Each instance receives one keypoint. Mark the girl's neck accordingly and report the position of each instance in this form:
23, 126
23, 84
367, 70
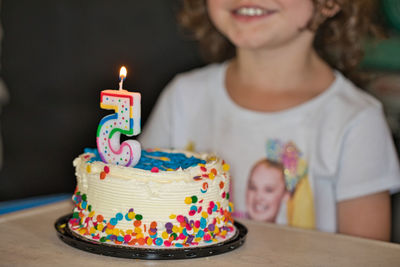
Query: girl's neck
276, 79
282, 70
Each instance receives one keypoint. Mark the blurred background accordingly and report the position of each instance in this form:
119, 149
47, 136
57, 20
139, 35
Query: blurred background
56, 57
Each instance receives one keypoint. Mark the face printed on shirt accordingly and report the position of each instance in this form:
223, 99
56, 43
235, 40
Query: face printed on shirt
266, 191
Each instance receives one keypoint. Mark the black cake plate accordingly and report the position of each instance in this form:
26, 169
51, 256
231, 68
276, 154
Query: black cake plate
67, 236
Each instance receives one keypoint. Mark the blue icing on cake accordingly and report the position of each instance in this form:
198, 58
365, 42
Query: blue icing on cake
160, 159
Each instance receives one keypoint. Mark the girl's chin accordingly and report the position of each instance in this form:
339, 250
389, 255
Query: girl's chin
254, 39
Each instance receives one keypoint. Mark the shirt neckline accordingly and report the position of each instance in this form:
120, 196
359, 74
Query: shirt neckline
298, 109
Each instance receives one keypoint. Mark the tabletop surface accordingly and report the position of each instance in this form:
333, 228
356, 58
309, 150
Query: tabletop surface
28, 237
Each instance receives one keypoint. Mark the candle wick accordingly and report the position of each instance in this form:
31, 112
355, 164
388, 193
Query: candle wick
121, 83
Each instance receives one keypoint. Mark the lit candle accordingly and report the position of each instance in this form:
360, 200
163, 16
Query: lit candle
122, 76
125, 120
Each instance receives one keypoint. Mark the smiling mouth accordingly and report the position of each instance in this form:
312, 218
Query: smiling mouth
251, 11
260, 208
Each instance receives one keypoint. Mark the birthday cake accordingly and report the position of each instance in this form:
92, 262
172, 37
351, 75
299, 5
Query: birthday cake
170, 199
147, 198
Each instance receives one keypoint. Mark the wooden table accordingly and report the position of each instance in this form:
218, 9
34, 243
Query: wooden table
28, 238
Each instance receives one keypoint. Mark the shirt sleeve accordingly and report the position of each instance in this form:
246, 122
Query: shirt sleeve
157, 132
369, 163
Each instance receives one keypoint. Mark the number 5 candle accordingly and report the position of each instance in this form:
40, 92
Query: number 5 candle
125, 120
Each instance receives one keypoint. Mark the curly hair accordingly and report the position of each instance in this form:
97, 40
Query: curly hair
338, 40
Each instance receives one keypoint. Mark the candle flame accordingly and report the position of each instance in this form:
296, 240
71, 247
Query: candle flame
122, 73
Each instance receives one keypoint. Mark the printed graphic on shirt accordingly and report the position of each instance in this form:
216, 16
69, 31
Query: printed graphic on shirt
278, 187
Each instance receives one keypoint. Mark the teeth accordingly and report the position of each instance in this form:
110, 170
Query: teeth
251, 11
261, 208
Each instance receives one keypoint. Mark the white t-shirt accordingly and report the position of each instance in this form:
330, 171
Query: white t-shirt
338, 142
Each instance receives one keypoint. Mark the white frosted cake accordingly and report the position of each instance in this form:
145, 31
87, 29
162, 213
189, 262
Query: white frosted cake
171, 199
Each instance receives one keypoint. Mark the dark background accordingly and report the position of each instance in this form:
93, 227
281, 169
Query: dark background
56, 58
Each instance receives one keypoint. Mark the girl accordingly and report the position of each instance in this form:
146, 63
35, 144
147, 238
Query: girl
281, 79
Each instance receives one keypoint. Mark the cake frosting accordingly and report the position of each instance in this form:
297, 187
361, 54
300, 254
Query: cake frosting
169, 199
